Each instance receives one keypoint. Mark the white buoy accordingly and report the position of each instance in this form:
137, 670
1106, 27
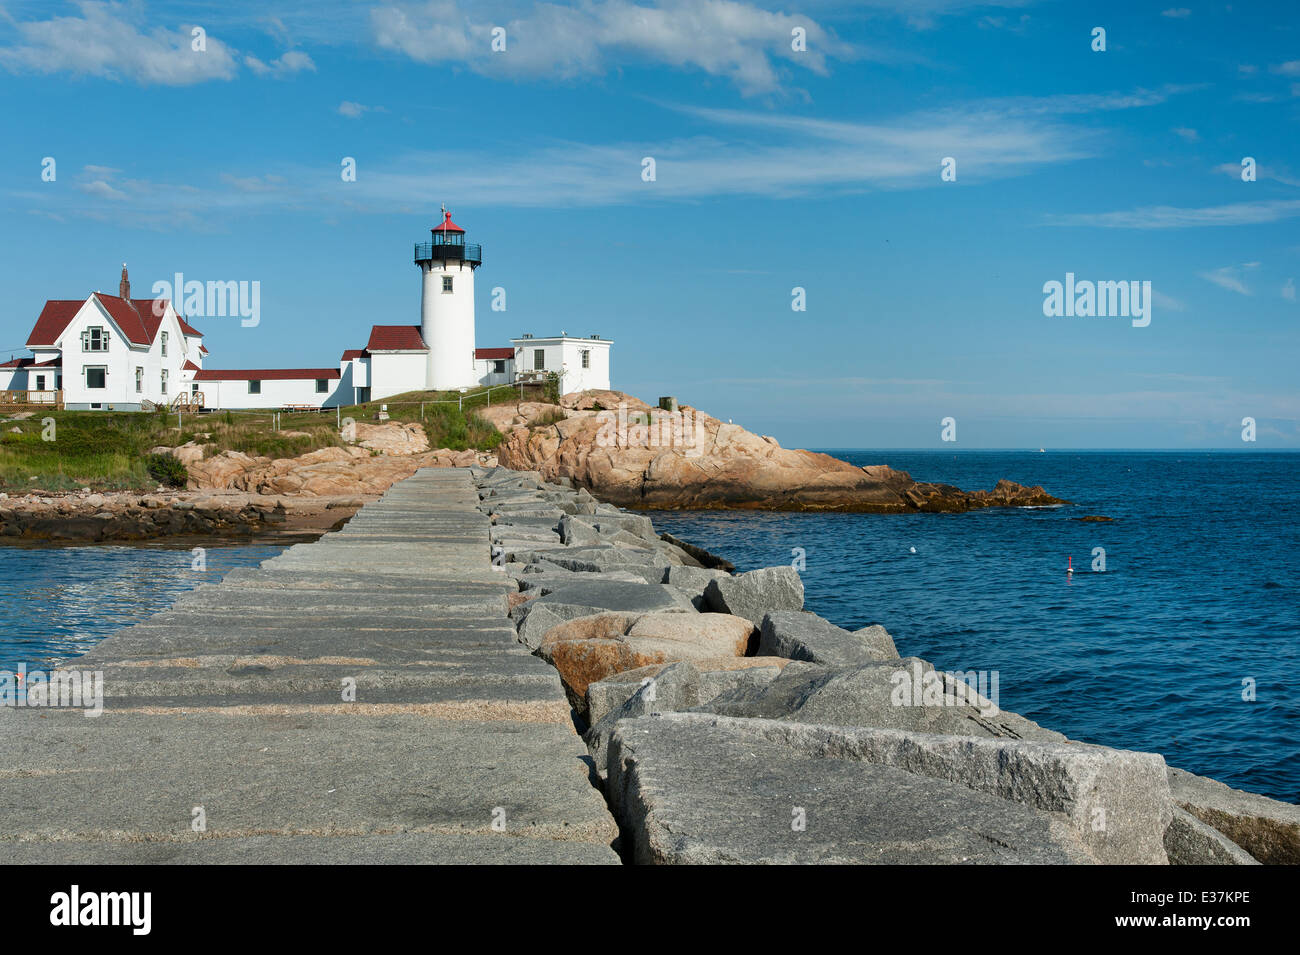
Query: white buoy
913, 550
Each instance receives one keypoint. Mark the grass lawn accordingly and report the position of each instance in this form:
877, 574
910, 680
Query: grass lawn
106, 450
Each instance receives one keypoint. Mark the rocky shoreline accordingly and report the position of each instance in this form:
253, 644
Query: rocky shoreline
710, 465
727, 724
86, 517
639, 457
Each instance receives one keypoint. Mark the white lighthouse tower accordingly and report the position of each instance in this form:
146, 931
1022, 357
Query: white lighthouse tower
447, 267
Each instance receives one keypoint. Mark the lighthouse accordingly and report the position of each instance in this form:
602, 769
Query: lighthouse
447, 267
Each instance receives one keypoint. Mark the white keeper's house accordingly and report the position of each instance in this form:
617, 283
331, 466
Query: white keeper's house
116, 353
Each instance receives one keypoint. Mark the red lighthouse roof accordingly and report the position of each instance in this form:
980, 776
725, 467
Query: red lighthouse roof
447, 225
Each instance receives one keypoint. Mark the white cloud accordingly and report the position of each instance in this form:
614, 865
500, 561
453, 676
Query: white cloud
356, 110
1176, 13
1230, 277
1175, 217
736, 40
1190, 135
102, 42
100, 188
1288, 290
1290, 68
288, 63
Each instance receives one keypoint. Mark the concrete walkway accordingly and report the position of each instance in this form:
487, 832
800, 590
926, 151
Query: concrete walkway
232, 708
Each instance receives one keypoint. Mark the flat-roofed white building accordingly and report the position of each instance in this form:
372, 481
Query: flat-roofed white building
582, 363
271, 388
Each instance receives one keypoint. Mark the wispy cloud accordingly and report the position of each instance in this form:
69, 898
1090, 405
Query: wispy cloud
105, 41
1176, 217
356, 110
1231, 277
727, 38
288, 63
737, 152
1188, 134
1176, 13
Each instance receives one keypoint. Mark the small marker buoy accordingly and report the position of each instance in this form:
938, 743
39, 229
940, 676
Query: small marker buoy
913, 550
1070, 568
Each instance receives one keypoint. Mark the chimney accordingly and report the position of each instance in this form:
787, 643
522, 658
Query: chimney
124, 287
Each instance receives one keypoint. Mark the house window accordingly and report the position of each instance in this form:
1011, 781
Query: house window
139, 379
194, 388
446, 283
586, 358
499, 366
40, 382
539, 359
94, 338
164, 344
96, 376
322, 385
164, 381
254, 386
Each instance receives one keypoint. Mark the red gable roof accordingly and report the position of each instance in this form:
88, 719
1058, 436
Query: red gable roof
190, 366
52, 321
203, 349
447, 225
395, 338
30, 363
265, 374
494, 353
137, 318
352, 353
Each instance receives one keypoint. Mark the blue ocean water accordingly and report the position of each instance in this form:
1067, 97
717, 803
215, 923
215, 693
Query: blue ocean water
1198, 594
58, 602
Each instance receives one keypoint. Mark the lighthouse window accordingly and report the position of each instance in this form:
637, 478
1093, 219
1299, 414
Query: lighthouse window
96, 376
539, 360
164, 381
586, 358
499, 366
254, 386
139, 379
322, 385
446, 283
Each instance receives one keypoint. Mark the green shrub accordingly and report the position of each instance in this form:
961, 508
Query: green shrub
167, 469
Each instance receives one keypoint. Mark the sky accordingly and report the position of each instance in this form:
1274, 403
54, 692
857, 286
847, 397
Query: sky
220, 154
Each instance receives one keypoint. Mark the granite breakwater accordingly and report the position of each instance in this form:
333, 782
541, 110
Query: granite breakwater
485, 667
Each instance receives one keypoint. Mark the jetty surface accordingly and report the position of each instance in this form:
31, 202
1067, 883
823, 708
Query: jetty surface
358, 699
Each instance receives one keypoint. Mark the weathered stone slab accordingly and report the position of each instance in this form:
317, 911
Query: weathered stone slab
868, 695
1188, 841
756, 592
1267, 829
692, 789
608, 595
806, 636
